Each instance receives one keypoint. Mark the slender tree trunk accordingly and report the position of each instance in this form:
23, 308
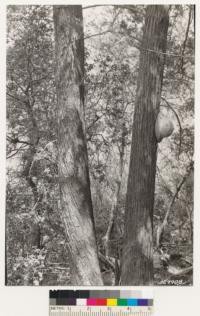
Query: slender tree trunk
112, 215
75, 195
137, 258
162, 226
114, 209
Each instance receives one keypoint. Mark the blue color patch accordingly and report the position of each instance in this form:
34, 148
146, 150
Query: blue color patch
142, 302
132, 302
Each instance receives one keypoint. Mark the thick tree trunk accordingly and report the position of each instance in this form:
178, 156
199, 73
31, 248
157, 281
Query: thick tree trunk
75, 195
137, 259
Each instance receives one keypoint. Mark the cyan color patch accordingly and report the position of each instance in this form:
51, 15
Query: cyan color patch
132, 302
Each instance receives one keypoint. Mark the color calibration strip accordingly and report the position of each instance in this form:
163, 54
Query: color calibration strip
100, 303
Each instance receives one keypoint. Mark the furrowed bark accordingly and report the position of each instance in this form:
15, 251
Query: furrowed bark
75, 195
137, 261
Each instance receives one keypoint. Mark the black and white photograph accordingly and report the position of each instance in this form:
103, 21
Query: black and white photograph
99, 145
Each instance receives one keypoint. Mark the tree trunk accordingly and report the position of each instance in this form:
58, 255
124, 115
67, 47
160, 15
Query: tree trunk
162, 226
137, 258
114, 209
75, 195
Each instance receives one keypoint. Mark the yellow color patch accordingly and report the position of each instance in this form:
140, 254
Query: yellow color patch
111, 302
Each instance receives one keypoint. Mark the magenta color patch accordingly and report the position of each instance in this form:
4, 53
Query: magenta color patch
91, 302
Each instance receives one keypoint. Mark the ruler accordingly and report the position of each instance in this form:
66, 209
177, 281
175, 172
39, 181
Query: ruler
100, 311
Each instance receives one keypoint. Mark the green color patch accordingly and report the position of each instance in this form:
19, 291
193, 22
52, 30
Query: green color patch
121, 302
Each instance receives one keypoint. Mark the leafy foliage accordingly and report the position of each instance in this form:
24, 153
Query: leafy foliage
36, 245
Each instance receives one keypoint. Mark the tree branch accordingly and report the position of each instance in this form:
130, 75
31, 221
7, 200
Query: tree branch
97, 34
97, 5
16, 151
178, 272
186, 38
15, 98
106, 261
16, 140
